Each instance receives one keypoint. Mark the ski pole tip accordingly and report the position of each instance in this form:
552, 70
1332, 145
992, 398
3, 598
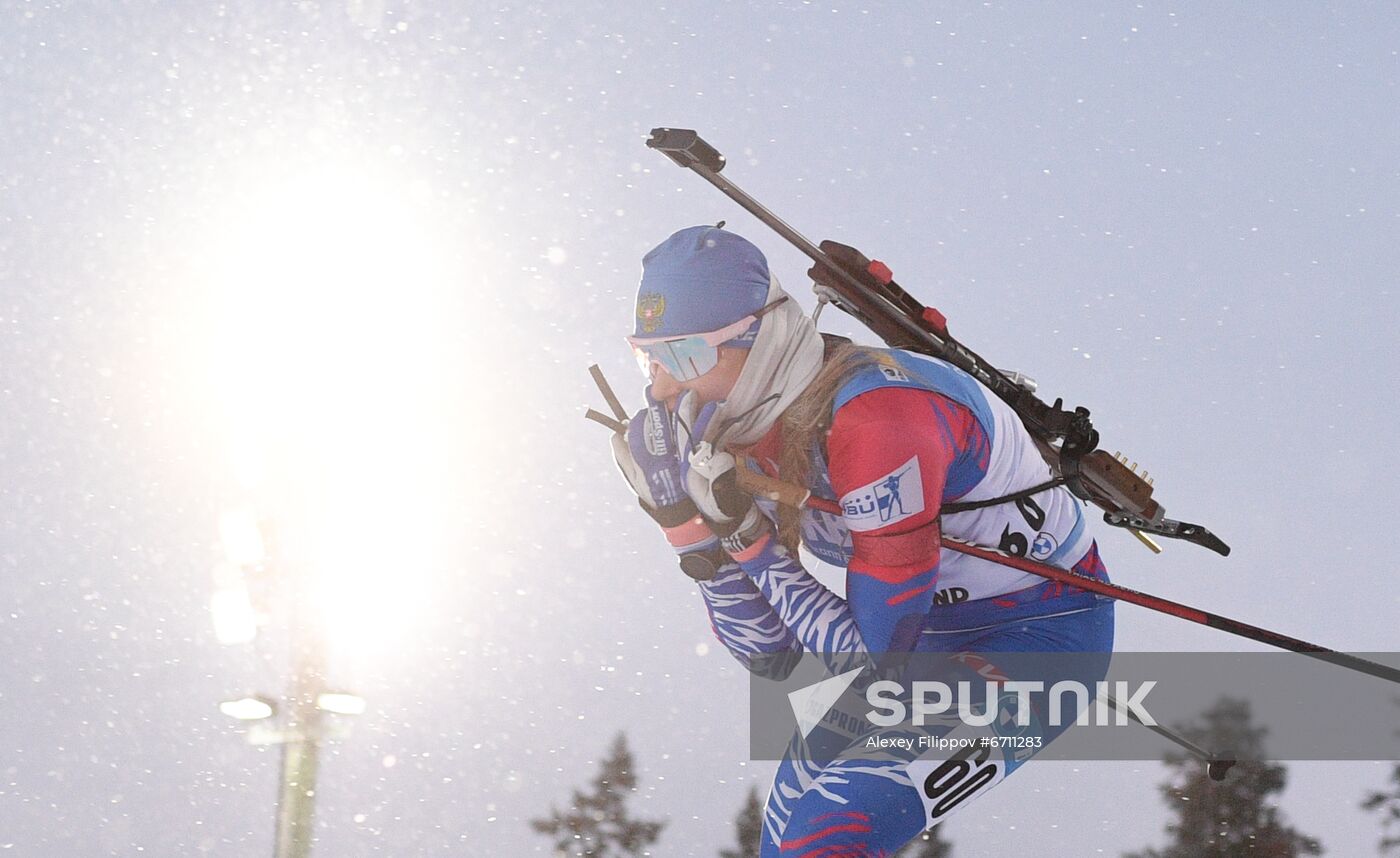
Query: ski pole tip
1217, 768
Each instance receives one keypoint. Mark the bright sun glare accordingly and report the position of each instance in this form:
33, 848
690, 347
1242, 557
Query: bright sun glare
324, 356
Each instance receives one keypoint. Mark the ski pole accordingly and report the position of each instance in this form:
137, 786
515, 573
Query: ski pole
796, 496
1216, 764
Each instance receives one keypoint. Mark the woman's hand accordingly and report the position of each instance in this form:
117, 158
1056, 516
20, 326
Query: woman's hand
711, 480
649, 458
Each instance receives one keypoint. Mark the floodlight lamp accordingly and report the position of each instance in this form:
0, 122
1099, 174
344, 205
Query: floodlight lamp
340, 703
254, 707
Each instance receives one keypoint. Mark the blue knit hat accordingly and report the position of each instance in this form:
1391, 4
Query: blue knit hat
698, 280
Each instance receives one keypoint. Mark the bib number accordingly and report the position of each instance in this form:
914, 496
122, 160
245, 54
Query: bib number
945, 785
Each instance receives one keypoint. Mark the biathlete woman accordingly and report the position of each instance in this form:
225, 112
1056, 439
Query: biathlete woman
907, 445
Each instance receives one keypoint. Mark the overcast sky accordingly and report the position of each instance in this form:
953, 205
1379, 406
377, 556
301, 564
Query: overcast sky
345, 265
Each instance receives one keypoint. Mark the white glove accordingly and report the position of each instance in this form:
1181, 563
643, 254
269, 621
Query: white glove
712, 482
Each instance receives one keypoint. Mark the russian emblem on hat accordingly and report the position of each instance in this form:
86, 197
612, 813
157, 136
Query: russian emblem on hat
650, 308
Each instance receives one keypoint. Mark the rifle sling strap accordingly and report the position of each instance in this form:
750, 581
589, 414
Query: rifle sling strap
950, 508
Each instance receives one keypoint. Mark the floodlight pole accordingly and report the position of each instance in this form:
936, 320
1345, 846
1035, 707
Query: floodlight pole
301, 750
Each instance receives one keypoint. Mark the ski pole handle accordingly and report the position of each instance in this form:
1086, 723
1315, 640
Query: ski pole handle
607, 391
617, 426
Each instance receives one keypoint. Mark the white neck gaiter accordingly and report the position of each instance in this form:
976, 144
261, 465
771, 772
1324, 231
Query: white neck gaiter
786, 356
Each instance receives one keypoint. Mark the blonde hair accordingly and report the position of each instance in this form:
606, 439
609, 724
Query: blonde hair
806, 422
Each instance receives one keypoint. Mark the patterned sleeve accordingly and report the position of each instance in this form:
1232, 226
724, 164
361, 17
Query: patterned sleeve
820, 619
743, 621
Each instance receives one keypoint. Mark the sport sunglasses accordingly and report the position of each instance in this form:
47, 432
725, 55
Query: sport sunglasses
689, 357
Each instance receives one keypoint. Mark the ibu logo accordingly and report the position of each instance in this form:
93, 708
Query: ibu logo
889, 499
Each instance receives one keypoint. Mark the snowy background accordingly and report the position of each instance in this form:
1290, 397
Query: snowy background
345, 264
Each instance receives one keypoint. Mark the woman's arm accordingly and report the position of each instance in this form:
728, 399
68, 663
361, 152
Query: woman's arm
819, 618
892, 451
742, 619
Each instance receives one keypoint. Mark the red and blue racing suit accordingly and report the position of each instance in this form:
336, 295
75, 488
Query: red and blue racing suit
907, 436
